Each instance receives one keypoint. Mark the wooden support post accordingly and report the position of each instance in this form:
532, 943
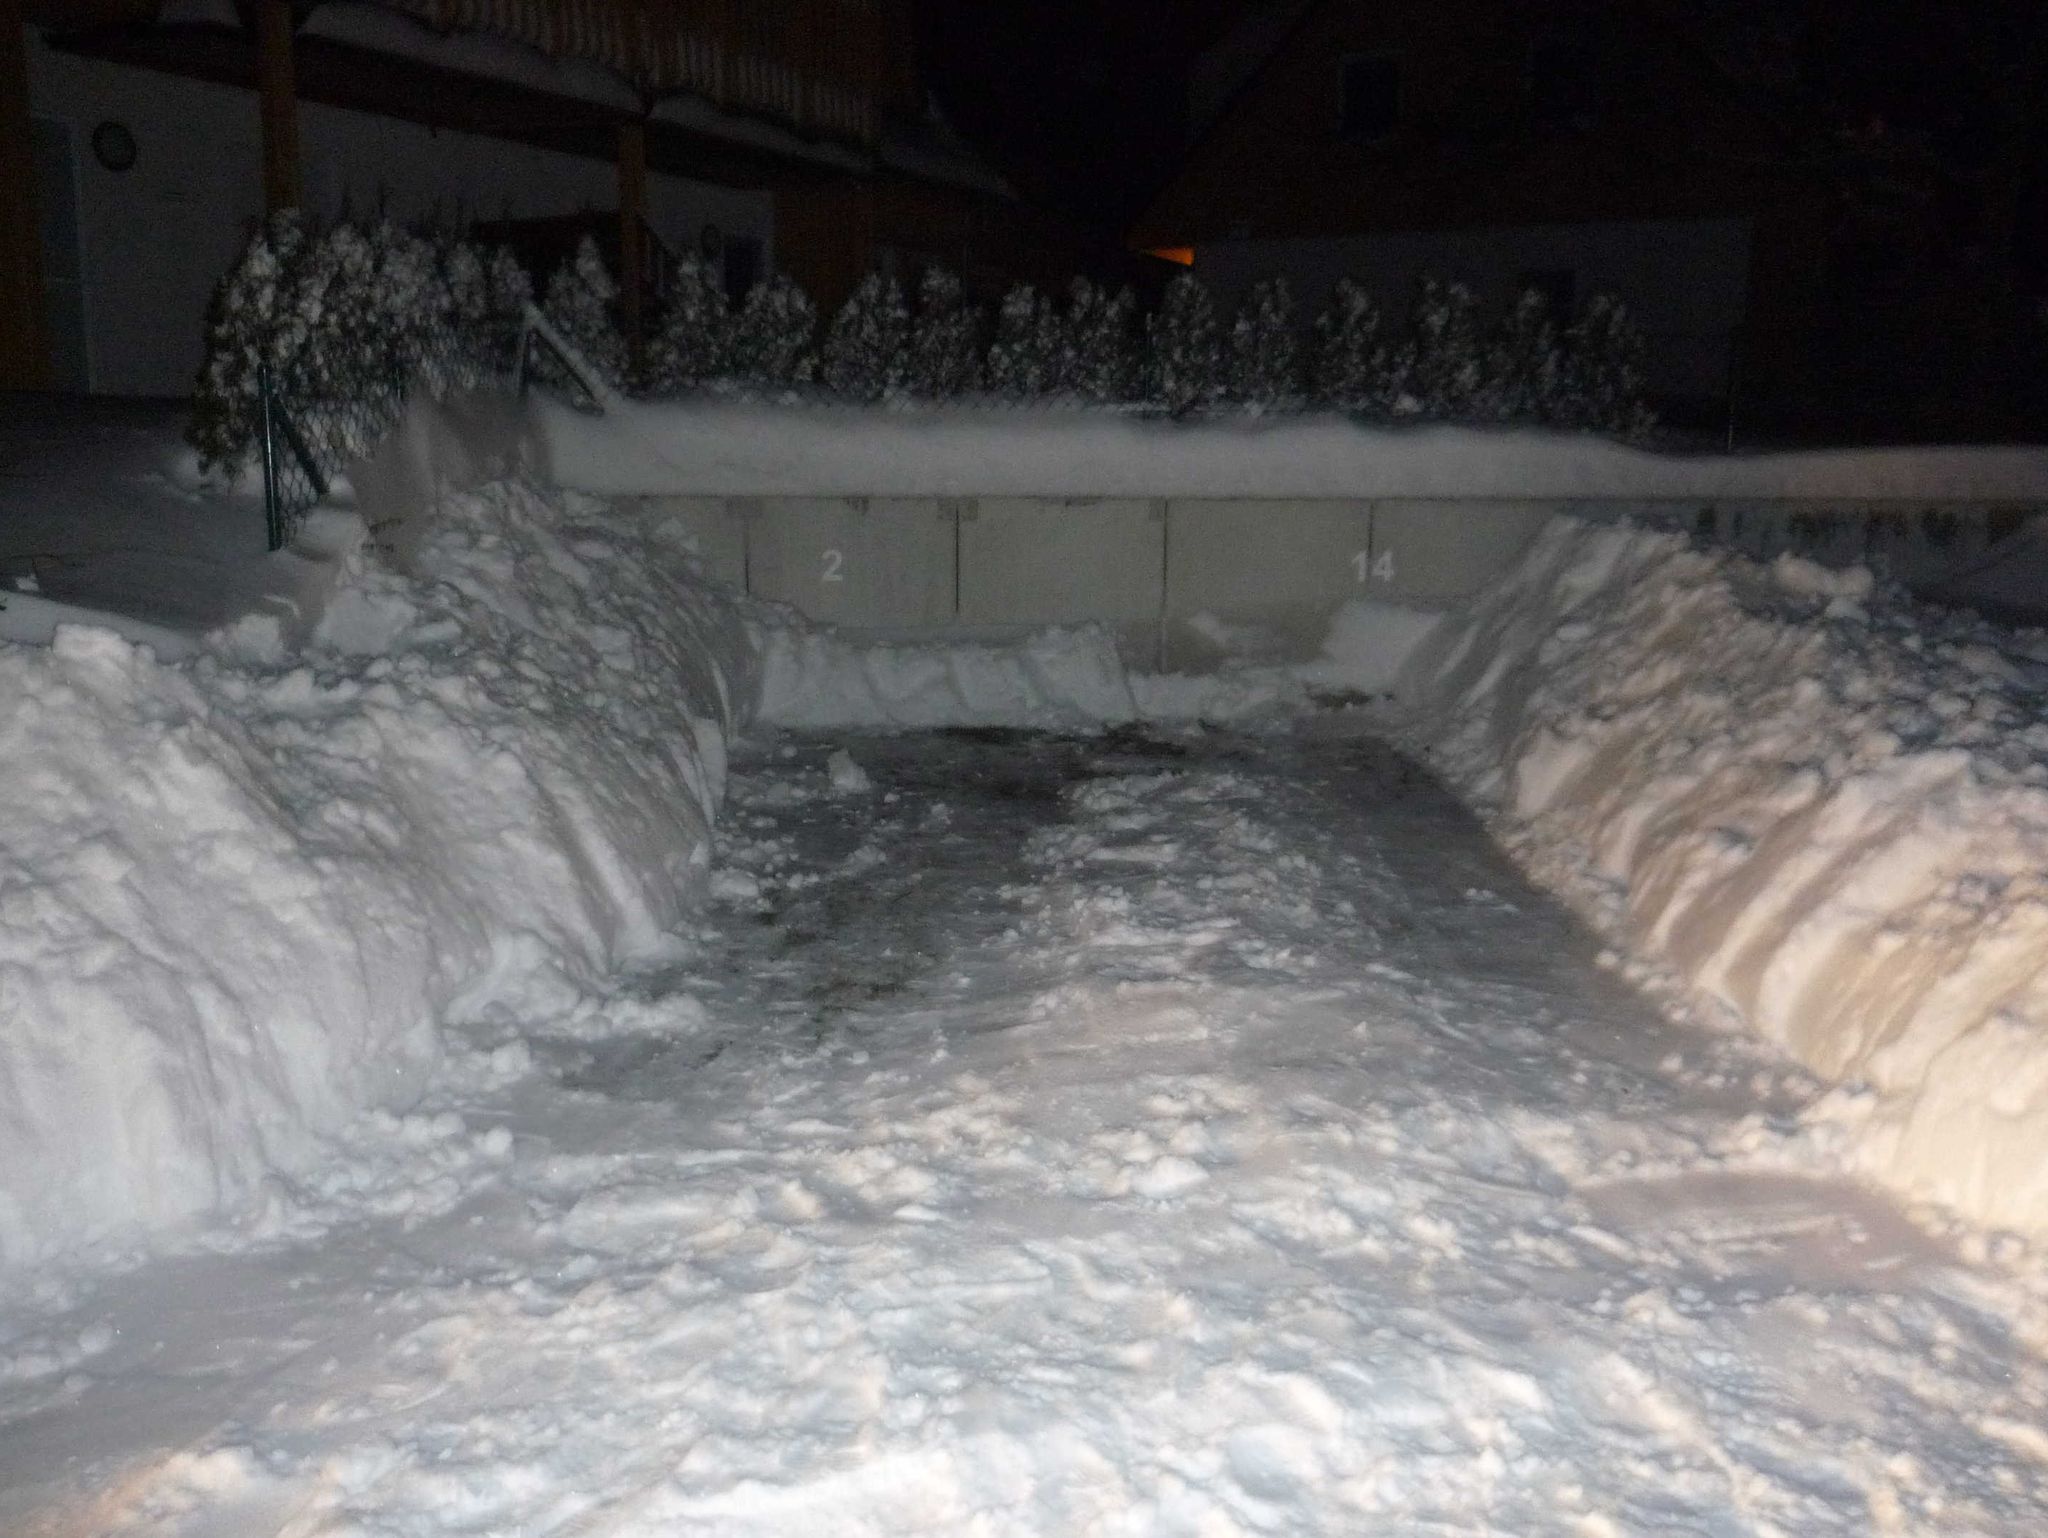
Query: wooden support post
24, 327
633, 242
277, 93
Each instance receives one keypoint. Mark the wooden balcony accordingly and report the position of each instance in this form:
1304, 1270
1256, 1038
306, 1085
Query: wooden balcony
811, 65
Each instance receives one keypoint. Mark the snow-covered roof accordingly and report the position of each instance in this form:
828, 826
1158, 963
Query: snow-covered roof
485, 54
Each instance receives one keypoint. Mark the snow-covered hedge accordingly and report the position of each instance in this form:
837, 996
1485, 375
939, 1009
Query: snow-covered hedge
1823, 806
346, 319
1443, 365
349, 315
241, 897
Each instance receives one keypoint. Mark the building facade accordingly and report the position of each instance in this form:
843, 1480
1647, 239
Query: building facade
1734, 198
152, 135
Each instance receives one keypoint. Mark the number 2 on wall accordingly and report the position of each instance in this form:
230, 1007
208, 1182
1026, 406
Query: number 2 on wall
1370, 569
835, 562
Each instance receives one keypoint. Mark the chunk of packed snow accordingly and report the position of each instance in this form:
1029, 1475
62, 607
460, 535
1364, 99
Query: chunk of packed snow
1829, 815
1368, 645
1056, 679
848, 778
1796, 574
238, 895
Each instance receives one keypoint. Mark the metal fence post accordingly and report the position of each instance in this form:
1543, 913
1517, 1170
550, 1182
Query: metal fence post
273, 511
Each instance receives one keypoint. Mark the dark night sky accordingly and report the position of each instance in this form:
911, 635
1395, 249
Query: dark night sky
1079, 101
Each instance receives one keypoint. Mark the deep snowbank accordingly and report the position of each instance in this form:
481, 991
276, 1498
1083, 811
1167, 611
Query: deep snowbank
237, 896
713, 448
1826, 808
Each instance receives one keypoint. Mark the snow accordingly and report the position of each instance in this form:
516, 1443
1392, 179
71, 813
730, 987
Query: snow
1058, 679
241, 892
847, 777
31, 619
1369, 644
1822, 806
1819, 807
1201, 1134
708, 447
106, 519
1154, 1127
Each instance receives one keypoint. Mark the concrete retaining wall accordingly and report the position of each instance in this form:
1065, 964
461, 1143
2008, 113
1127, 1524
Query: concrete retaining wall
1242, 533
1161, 573
1173, 576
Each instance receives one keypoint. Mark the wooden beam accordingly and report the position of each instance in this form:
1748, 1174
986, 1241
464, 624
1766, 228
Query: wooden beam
632, 241
277, 92
24, 328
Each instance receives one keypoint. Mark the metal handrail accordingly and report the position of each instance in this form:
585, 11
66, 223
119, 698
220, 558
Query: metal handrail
284, 501
303, 445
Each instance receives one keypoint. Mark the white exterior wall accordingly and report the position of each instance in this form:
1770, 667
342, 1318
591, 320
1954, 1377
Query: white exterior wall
1685, 281
157, 237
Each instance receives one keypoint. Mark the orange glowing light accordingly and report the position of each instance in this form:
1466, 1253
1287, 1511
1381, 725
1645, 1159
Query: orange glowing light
1180, 256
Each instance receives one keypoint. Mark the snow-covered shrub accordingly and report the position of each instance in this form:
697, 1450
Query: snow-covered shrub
1263, 361
487, 295
1185, 365
348, 320
1347, 362
774, 336
466, 281
693, 340
413, 302
581, 303
1102, 336
250, 322
511, 284
337, 378
1525, 364
866, 355
945, 353
1602, 387
1442, 367
1029, 356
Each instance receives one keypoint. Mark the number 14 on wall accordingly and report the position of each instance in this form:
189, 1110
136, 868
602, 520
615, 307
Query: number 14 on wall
1372, 568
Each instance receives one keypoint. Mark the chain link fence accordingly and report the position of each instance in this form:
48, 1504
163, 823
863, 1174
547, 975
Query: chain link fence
313, 427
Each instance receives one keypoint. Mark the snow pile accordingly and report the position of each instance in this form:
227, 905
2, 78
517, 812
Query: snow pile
1826, 808
712, 448
238, 894
1368, 646
1060, 680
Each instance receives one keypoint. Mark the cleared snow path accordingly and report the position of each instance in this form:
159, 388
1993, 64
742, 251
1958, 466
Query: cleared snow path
1203, 1136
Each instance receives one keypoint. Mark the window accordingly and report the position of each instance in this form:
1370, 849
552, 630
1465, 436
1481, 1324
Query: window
1564, 82
1369, 98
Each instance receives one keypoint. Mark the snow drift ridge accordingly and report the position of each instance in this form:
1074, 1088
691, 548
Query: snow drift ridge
1826, 808
238, 896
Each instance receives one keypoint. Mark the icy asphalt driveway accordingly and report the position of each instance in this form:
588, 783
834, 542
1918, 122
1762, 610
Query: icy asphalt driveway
1199, 1137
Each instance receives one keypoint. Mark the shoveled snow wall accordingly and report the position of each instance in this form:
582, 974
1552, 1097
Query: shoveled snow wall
1822, 805
243, 897
985, 523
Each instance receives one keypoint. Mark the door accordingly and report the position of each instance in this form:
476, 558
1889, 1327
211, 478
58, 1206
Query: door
63, 266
